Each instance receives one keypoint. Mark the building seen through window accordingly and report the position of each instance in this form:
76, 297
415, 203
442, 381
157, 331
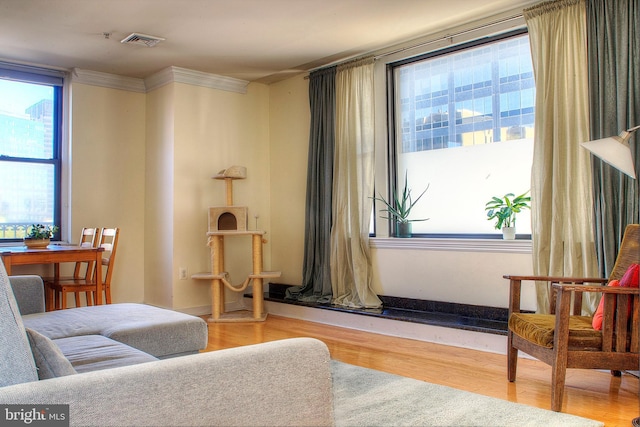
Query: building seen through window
464, 126
29, 159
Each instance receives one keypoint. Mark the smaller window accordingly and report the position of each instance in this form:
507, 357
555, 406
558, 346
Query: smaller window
30, 106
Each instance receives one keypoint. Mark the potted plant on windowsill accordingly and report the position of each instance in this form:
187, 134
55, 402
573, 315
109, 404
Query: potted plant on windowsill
39, 236
504, 210
400, 208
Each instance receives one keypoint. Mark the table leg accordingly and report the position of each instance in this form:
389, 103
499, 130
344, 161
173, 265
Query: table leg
49, 295
98, 278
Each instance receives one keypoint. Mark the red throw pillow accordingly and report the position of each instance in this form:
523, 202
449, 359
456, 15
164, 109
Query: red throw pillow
597, 317
629, 280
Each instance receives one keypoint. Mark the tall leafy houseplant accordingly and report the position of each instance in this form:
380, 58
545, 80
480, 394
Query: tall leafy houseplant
504, 209
400, 207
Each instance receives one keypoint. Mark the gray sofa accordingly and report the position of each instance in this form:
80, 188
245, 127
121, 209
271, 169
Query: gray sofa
105, 363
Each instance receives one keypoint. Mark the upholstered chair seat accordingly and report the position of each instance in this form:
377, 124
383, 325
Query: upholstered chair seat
539, 329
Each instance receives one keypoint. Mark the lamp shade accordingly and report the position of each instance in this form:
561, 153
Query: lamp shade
615, 150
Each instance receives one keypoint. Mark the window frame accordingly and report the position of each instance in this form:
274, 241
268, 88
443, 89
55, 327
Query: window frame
391, 130
55, 79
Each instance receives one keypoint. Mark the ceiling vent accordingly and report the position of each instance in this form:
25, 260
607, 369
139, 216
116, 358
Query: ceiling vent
142, 39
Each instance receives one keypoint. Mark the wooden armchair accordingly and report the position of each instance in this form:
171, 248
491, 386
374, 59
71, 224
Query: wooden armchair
565, 339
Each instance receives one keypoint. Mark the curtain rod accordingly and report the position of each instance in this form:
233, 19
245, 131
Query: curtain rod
449, 36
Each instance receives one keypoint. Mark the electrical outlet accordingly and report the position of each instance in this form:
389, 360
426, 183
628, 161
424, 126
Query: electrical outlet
182, 273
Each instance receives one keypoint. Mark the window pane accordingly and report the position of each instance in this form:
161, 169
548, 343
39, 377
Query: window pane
26, 120
28, 163
27, 193
465, 128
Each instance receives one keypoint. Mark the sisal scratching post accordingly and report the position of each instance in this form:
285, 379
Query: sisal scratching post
217, 263
258, 304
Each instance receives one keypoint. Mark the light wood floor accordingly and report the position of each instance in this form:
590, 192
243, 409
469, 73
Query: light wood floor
591, 394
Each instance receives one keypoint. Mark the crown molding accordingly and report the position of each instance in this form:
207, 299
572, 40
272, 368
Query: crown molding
112, 81
159, 79
196, 78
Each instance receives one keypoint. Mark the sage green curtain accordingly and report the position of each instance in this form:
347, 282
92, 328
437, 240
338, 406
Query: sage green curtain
614, 95
562, 208
316, 270
353, 172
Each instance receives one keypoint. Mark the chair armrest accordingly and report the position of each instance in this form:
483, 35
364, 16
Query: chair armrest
556, 279
600, 289
29, 293
515, 286
285, 382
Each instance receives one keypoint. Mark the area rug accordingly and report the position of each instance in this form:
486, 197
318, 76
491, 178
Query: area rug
366, 397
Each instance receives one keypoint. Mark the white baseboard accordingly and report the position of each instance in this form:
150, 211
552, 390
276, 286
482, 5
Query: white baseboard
196, 311
206, 309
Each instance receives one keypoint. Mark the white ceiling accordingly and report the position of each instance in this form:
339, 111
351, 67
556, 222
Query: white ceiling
255, 40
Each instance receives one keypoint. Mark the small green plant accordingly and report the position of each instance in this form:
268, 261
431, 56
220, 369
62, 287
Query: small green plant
39, 231
504, 209
400, 209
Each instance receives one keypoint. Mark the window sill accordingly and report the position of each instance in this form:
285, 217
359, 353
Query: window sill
20, 243
457, 245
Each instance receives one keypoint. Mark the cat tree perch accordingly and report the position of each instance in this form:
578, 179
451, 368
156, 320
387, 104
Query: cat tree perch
230, 221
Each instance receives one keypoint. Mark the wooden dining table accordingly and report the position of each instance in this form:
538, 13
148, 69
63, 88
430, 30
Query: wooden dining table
54, 254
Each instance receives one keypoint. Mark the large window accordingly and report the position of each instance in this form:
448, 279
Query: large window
30, 118
463, 123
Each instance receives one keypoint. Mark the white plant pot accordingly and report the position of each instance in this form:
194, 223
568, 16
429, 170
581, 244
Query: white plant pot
509, 233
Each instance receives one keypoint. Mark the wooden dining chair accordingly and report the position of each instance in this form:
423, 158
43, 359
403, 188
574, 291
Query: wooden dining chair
82, 270
108, 240
566, 339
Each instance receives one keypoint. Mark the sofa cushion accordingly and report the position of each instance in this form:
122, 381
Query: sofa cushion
157, 331
28, 291
50, 361
16, 361
95, 352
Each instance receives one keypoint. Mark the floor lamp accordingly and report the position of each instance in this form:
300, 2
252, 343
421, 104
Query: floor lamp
615, 150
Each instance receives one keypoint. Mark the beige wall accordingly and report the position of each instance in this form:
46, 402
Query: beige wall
158, 214
107, 176
289, 143
461, 276
153, 155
